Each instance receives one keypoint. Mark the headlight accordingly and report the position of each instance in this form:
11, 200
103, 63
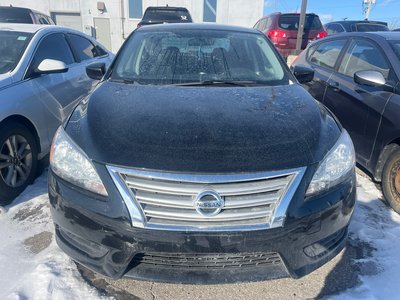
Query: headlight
335, 166
69, 162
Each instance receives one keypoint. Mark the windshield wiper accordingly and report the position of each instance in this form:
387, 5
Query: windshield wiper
124, 80
217, 82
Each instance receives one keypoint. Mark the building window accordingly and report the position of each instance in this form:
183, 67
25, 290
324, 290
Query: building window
135, 9
210, 11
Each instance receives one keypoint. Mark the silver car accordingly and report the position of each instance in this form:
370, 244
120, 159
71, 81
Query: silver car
42, 78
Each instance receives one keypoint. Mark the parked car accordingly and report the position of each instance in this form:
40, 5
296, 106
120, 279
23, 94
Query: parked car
215, 164
165, 14
282, 30
11, 14
351, 26
42, 78
357, 78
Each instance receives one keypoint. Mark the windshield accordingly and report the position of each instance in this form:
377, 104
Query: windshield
185, 56
166, 15
291, 22
12, 45
371, 27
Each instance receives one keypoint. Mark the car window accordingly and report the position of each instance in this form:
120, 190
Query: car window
12, 46
167, 15
334, 28
186, 56
83, 48
261, 25
53, 46
291, 22
50, 20
43, 20
365, 27
364, 55
395, 44
327, 53
15, 15
311, 50
268, 23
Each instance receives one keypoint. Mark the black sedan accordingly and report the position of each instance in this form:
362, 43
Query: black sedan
357, 78
200, 158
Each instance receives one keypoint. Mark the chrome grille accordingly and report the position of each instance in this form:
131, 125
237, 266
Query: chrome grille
166, 200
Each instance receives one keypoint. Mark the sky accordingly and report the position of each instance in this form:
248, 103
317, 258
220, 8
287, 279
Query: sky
334, 10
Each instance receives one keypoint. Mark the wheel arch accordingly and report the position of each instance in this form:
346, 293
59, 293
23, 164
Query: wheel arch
27, 123
383, 156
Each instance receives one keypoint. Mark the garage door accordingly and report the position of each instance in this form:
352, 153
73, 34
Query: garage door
71, 20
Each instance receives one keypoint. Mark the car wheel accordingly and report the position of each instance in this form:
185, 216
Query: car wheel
18, 160
391, 180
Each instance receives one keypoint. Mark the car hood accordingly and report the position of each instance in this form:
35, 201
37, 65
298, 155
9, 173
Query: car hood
5, 80
203, 129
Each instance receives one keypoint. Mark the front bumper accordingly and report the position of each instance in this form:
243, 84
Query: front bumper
98, 234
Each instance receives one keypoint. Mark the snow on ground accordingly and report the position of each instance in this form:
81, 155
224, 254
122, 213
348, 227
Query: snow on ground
32, 266
378, 225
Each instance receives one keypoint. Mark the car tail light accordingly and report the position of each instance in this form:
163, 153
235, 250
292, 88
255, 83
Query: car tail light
322, 34
276, 34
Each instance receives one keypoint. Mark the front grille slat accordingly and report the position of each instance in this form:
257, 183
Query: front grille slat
167, 201
189, 188
192, 215
251, 200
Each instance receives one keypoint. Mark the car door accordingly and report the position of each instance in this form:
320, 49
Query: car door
322, 58
55, 91
359, 107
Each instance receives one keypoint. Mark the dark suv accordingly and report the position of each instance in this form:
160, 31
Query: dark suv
357, 78
10, 14
351, 26
282, 30
215, 165
165, 14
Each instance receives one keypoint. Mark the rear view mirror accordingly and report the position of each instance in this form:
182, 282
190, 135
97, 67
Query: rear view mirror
303, 74
49, 66
371, 78
96, 70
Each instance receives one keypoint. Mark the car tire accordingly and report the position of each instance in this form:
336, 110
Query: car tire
391, 180
18, 160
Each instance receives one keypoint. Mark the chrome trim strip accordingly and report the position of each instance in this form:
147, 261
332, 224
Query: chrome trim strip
205, 178
139, 219
279, 215
134, 209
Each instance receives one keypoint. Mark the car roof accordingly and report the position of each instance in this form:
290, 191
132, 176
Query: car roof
167, 8
195, 26
31, 28
357, 21
376, 35
15, 8
36, 28
289, 13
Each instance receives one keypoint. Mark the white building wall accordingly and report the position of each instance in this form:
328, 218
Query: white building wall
235, 12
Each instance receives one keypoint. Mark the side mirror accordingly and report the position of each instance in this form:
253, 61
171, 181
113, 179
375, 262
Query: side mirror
371, 78
49, 66
303, 74
96, 70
